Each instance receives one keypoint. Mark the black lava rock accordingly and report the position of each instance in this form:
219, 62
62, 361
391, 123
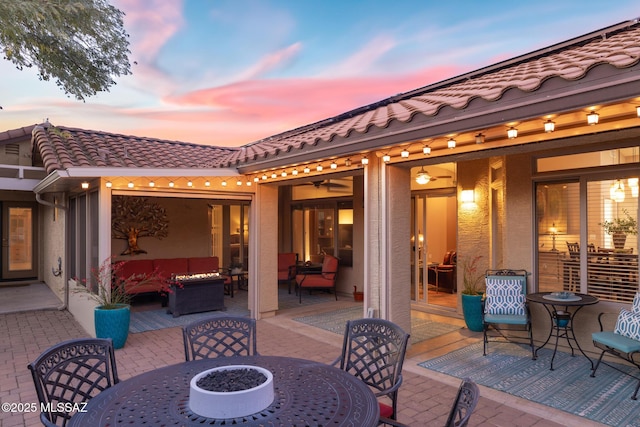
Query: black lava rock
231, 380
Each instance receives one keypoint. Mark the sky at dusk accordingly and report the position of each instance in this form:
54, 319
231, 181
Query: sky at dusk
231, 72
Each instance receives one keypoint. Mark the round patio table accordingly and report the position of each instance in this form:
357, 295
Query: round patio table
562, 311
306, 393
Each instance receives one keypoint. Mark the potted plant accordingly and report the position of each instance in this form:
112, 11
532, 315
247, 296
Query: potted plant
620, 227
109, 289
472, 293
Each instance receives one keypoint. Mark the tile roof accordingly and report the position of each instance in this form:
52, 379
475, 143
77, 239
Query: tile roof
8, 136
62, 148
618, 46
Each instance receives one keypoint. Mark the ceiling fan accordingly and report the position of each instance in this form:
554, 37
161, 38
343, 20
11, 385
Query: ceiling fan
423, 177
326, 183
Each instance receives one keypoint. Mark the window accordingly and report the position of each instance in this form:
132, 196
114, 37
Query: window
576, 252
325, 228
83, 234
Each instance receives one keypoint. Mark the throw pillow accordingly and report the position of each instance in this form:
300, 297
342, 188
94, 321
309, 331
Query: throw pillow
501, 285
505, 304
628, 324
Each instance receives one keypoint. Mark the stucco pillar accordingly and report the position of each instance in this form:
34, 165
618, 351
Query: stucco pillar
263, 271
387, 233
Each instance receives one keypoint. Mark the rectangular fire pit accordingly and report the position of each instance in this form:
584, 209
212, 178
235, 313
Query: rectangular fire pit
195, 293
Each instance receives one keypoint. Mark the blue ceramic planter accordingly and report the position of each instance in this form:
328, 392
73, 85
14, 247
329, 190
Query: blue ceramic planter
113, 323
472, 310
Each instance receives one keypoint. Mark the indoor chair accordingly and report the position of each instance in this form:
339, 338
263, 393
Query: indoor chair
219, 337
623, 341
373, 350
505, 307
287, 268
70, 373
463, 406
325, 279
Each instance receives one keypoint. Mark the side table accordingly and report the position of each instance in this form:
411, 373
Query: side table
561, 312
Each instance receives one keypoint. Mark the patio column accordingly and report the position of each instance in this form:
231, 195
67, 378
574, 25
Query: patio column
387, 233
263, 272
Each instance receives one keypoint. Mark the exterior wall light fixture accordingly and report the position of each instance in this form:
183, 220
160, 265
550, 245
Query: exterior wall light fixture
467, 196
84, 185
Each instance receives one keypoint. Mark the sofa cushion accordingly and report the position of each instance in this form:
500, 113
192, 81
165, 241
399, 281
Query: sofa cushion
168, 266
206, 264
139, 267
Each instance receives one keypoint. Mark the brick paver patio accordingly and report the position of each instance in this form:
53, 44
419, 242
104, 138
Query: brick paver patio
425, 397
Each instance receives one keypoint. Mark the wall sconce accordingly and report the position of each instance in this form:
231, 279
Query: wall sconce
386, 158
451, 143
130, 184
512, 133
426, 149
549, 126
467, 196
108, 184
479, 138
334, 165
404, 153
84, 185
365, 160
592, 118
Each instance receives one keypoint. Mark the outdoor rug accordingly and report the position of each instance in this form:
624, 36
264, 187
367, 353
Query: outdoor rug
508, 368
151, 320
335, 321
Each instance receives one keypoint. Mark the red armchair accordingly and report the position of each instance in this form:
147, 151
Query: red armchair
287, 265
325, 279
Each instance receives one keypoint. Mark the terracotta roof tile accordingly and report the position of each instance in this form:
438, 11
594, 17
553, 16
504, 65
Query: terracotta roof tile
63, 148
572, 62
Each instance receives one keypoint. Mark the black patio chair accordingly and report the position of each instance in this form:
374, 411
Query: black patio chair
71, 373
623, 342
463, 406
374, 350
505, 308
219, 337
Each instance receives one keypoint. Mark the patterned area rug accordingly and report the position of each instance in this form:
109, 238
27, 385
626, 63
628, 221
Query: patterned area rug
335, 321
151, 320
569, 387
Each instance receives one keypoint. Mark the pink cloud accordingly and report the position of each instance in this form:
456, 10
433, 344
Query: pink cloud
271, 62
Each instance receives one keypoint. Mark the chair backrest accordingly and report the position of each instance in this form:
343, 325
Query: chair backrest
374, 350
219, 337
330, 265
286, 260
505, 292
464, 404
73, 372
574, 249
449, 258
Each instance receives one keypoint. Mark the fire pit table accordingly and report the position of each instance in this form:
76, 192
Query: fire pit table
195, 293
306, 393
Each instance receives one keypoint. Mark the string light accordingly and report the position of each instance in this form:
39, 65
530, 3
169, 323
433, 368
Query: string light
451, 143
426, 149
512, 133
386, 158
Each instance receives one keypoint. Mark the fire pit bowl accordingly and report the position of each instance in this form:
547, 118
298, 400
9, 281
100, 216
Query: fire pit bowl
231, 404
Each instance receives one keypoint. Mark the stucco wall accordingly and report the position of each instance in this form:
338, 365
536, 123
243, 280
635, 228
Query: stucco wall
52, 245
